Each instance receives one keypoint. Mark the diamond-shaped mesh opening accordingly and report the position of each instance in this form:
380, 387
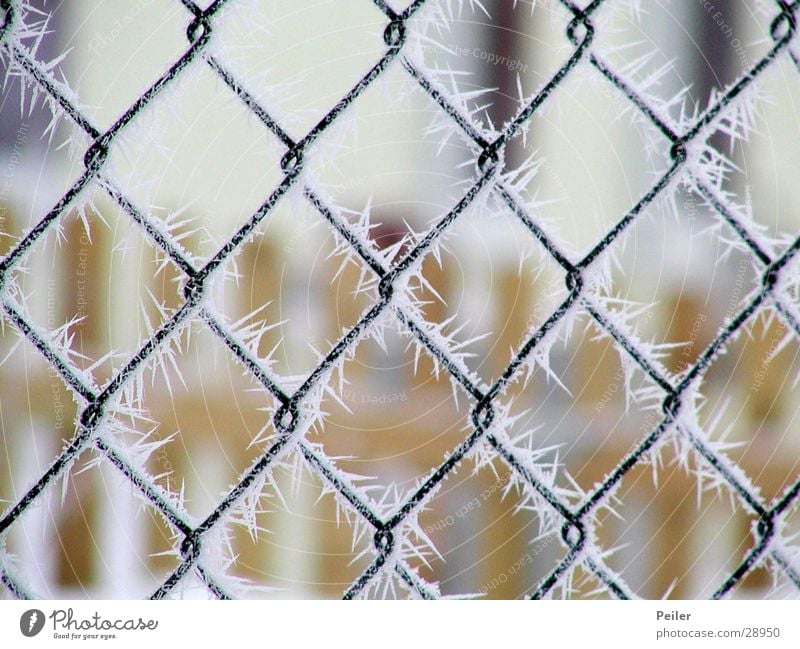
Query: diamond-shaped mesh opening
293, 289
200, 155
495, 49
657, 296
116, 53
393, 419
674, 539
381, 150
751, 393
64, 518
305, 58
137, 551
488, 318
33, 176
38, 415
86, 537
487, 543
765, 198
589, 406
205, 418
305, 543
666, 48
89, 278
583, 137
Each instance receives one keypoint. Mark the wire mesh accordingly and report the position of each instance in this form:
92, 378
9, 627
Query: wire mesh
292, 417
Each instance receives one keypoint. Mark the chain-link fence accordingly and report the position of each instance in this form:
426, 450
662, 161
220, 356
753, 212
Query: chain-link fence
393, 273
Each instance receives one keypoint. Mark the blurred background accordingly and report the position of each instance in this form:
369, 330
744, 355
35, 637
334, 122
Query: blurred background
199, 162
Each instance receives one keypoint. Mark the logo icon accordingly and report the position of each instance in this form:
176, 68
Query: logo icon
31, 622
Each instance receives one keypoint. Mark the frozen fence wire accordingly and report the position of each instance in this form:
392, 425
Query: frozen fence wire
394, 528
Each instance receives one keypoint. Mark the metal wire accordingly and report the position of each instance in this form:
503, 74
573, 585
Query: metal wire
490, 161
